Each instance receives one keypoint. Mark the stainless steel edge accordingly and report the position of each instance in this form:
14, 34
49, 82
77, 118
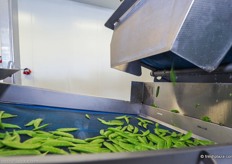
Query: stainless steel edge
214, 132
38, 96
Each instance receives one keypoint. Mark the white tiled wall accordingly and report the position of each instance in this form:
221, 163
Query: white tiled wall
67, 47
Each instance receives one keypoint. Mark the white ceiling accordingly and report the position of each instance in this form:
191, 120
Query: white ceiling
111, 4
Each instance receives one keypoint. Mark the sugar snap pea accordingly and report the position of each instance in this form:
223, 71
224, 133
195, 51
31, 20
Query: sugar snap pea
145, 125
57, 143
107, 133
126, 118
1, 145
93, 138
145, 139
119, 149
154, 138
110, 146
26, 132
8, 115
113, 135
2, 135
141, 140
161, 144
136, 130
187, 136
43, 135
19, 152
19, 145
112, 122
35, 140
64, 134
10, 126
52, 150
128, 147
168, 142
87, 116
124, 128
17, 136
95, 145
98, 141
30, 123
130, 128
67, 129
1, 126
37, 122
73, 140
89, 149
144, 120
179, 145
102, 131
145, 133
40, 127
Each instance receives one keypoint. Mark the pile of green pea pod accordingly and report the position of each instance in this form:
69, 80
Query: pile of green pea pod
120, 136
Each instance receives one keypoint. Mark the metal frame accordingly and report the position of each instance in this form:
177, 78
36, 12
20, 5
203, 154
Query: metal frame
220, 134
166, 29
9, 33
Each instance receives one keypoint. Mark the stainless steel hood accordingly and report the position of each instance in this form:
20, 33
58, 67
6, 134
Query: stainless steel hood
196, 32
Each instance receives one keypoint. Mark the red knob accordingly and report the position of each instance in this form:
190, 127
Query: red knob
26, 71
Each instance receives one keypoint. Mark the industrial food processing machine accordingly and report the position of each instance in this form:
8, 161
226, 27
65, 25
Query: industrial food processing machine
188, 47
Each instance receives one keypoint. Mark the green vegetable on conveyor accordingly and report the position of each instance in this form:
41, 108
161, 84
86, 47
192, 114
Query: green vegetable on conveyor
117, 137
87, 116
